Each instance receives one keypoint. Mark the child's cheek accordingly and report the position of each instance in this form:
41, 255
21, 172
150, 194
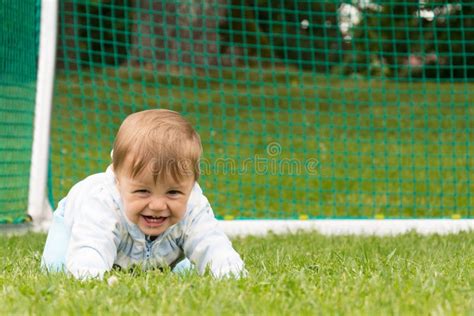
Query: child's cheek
130, 210
182, 210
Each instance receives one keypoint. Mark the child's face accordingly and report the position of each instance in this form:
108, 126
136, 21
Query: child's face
154, 207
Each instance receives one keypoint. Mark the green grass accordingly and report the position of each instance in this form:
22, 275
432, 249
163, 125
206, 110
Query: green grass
299, 274
397, 149
376, 147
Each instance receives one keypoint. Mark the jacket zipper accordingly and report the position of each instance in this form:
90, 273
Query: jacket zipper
148, 243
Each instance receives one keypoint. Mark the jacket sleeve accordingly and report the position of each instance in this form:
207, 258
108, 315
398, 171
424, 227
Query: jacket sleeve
207, 246
94, 239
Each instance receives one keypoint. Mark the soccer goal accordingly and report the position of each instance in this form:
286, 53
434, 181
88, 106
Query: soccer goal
341, 117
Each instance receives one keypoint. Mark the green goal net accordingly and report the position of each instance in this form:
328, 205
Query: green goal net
306, 109
18, 52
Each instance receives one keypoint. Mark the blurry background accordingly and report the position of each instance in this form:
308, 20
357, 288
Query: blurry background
306, 109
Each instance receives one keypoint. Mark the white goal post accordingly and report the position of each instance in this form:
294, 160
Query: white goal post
40, 210
39, 207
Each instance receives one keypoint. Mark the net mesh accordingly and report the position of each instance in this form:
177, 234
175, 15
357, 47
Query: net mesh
306, 109
18, 50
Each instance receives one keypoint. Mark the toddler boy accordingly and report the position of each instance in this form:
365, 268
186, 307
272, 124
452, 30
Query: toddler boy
147, 209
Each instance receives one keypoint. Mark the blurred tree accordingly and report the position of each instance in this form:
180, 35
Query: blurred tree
104, 32
198, 34
67, 56
398, 39
195, 35
449, 52
92, 33
242, 39
303, 33
413, 40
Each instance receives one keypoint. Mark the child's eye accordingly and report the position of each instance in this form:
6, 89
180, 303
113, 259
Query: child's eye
141, 191
174, 192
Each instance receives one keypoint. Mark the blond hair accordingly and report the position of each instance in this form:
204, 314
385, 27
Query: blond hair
161, 140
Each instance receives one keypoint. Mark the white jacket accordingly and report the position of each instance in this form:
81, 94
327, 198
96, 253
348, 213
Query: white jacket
90, 234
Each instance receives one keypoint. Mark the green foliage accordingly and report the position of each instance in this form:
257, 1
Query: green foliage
104, 32
407, 40
96, 33
239, 29
300, 274
302, 33
396, 39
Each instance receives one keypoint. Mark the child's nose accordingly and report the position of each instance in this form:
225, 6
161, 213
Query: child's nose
157, 203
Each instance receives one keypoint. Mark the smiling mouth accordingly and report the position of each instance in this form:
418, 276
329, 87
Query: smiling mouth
154, 220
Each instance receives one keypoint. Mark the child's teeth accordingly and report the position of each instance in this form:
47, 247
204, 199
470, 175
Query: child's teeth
154, 218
